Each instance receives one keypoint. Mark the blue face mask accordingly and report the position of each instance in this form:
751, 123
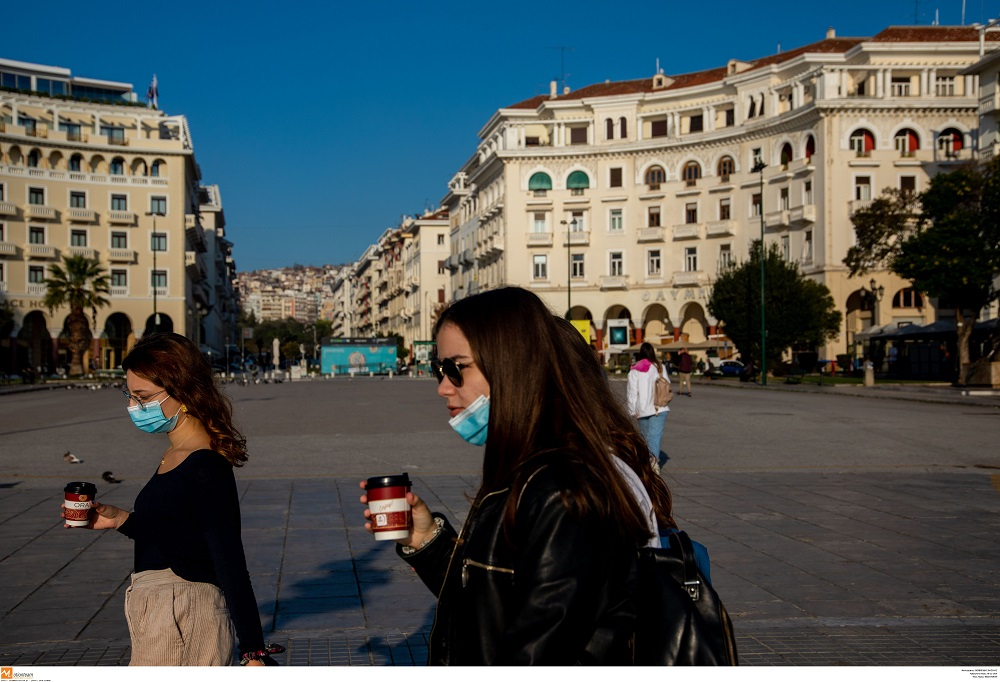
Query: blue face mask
471, 422
152, 419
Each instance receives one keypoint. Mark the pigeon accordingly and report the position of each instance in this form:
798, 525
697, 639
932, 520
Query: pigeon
109, 477
72, 459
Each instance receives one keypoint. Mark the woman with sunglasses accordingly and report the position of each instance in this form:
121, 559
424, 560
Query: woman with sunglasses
190, 584
541, 571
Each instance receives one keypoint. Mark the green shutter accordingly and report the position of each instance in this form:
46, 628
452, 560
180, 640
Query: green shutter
540, 181
578, 180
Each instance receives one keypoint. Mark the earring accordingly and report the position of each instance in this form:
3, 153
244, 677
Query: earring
184, 409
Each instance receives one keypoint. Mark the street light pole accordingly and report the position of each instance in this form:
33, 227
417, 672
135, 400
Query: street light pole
156, 316
571, 226
759, 168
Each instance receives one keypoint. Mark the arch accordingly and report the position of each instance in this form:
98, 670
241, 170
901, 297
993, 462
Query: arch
76, 163
98, 164
33, 158
907, 297
862, 141
117, 166
694, 323
906, 141
951, 141
14, 156
810, 147
578, 179
752, 107
622, 128
56, 160
656, 324
156, 168
34, 343
691, 172
540, 181
166, 324
786, 154
138, 167
609, 129
725, 167
116, 340
655, 176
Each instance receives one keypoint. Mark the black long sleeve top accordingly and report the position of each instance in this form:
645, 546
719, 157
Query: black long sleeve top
188, 520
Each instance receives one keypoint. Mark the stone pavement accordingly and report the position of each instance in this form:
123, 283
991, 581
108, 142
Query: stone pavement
887, 565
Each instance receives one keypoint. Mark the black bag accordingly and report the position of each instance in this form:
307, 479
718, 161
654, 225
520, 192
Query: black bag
680, 619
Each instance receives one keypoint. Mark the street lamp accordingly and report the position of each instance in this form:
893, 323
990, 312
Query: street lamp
873, 294
569, 265
759, 168
155, 244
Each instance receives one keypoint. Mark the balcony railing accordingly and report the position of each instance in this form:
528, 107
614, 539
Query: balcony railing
84, 251
614, 282
688, 278
776, 218
651, 234
720, 228
40, 251
7, 208
578, 238
82, 215
803, 214
687, 231
37, 212
37, 289
121, 255
539, 239
121, 217
119, 291
8, 249
858, 204
160, 291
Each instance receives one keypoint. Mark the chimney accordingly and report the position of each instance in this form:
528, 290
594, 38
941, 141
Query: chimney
553, 93
565, 89
830, 33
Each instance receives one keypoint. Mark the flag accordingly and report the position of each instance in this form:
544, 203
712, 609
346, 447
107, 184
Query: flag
152, 93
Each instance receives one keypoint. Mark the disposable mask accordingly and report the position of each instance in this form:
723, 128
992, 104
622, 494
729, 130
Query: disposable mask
471, 422
152, 419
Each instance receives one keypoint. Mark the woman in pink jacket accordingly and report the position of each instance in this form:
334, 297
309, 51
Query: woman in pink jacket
641, 381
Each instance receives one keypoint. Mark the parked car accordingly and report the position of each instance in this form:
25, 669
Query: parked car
726, 368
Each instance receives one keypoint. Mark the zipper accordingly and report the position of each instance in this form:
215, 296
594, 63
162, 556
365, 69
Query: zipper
486, 567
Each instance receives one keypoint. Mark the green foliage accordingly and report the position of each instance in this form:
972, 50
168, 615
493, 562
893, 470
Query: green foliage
798, 311
80, 283
6, 319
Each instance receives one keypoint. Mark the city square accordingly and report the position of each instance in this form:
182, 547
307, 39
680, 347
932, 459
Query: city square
845, 526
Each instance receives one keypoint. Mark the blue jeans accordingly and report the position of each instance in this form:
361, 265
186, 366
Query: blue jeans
652, 430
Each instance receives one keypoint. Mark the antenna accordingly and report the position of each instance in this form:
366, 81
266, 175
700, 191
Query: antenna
562, 65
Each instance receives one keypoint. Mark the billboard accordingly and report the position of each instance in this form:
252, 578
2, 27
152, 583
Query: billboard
358, 356
618, 334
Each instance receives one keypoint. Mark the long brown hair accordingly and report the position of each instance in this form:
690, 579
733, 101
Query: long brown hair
544, 405
647, 352
174, 363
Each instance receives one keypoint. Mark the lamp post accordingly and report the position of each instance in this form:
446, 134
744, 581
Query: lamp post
759, 168
155, 244
570, 229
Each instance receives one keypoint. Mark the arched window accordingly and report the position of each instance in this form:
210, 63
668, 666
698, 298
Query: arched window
655, 176
154, 170
117, 166
75, 163
609, 129
906, 142
691, 172
950, 141
753, 108
33, 158
862, 142
622, 128
908, 298
577, 182
726, 168
810, 147
540, 183
786, 154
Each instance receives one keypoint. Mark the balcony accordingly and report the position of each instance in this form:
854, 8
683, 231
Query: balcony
858, 204
539, 239
803, 214
609, 282
687, 231
720, 228
777, 218
157, 291
8, 249
84, 251
8, 208
651, 234
193, 264
119, 291
36, 212
37, 289
689, 278
121, 217
82, 215
121, 255
40, 251
468, 258
578, 238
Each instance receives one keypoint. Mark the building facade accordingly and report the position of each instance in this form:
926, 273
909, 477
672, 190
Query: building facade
85, 169
624, 200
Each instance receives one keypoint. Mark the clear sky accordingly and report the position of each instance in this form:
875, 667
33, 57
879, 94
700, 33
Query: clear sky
324, 123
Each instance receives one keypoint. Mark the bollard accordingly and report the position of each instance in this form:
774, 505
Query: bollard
869, 374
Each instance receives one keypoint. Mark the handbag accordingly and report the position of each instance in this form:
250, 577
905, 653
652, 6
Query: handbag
680, 619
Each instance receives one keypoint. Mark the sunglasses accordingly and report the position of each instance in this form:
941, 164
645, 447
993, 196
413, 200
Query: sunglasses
451, 369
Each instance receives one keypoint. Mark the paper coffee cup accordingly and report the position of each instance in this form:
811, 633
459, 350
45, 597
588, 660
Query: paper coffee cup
390, 517
77, 499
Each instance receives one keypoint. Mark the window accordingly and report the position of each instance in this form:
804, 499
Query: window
786, 154
577, 182
807, 192
119, 202
726, 168
440, 240
786, 248
154, 170
730, 118
119, 240
906, 142
2, 232
653, 219
158, 205
616, 264
609, 129
29, 124
725, 256
807, 247
539, 183
655, 176
900, 86
615, 177
697, 123
752, 110
615, 221
158, 241
578, 136
75, 163
119, 278
2, 191
36, 196
810, 147
691, 259
117, 166
34, 157
72, 131
691, 172
783, 199
77, 200
622, 128
757, 156
725, 210
654, 263
691, 213
755, 204
441, 268
577, 222
36, 274
862, 142
950, 142
78, 238
576, 263
862, 188
539, 223
116, 135
944, 86
907, 298
540, 267
36, 235
658, 128
908, 184
159, 279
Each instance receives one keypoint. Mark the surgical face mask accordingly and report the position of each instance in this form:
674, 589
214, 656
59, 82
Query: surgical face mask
151, 419
471, 422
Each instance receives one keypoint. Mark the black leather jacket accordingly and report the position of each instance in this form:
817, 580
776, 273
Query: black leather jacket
558, 594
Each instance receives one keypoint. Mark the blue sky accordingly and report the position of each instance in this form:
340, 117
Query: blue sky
325, 123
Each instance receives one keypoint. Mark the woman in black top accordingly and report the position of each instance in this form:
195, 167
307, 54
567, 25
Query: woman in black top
190, 584
542, 570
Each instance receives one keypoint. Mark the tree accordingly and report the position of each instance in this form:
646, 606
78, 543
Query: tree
80, 283
798, 310
946, 241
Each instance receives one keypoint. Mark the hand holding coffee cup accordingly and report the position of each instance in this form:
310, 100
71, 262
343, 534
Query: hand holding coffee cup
389, 507
78, 498
421, 523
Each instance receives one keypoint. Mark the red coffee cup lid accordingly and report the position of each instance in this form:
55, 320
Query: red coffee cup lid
393, 481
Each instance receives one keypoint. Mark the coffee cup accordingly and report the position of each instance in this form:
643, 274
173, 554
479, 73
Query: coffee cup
77, 498
390, 512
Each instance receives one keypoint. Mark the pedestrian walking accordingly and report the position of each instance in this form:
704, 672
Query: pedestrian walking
684, 367
190, 584
540, 573
641, 392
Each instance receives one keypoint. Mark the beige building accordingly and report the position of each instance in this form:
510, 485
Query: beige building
623, 200
85, 169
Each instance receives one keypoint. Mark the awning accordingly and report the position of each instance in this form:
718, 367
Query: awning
577, 180
540, 181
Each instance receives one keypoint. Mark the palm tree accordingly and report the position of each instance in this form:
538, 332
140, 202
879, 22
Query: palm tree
79, 284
